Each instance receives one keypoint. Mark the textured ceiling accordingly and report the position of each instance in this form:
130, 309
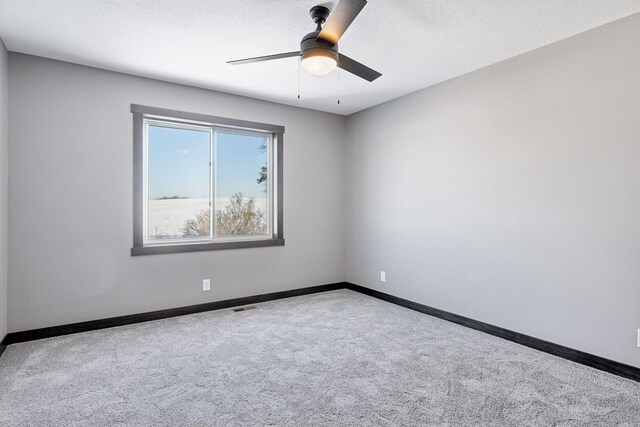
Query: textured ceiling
413, 43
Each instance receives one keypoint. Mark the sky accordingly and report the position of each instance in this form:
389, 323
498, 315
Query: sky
179, 163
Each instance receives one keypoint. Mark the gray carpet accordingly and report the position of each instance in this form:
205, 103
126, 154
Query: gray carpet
335, 358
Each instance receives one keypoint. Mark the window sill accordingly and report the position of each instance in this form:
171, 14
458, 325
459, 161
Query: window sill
199, 247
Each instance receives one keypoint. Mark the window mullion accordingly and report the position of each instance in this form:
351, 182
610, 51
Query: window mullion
212, 185
270, 187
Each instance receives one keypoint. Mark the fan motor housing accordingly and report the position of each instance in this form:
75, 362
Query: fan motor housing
312, 46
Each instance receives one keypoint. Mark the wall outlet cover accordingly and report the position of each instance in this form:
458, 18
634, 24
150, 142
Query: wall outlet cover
383, 276
206, 285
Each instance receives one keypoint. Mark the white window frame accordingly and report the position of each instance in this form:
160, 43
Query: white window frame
148, 116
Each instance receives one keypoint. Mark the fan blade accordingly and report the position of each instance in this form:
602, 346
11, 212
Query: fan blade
340, 19
265, 58
356, 68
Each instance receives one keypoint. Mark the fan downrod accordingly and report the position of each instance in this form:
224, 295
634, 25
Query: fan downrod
319, 14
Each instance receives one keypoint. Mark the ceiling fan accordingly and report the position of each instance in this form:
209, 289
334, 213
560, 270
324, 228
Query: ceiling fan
319, 49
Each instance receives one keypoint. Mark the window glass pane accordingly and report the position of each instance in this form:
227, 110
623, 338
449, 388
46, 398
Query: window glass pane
178, 182
242, 183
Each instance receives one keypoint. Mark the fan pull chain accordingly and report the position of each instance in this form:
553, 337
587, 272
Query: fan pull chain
338, 71
299, 76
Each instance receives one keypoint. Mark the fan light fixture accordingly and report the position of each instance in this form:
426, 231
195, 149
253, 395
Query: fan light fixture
319, 52
319, 64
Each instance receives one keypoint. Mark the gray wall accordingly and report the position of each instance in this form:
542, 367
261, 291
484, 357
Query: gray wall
70, 200
511, 195
4, 145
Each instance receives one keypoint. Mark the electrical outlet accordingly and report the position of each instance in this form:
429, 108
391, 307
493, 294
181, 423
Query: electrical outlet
638, 337
383, 276
206, 285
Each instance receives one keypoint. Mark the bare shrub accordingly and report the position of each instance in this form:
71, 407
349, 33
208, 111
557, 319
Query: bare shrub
199, 226
239, 217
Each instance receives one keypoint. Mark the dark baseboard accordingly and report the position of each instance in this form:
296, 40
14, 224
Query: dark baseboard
577, 356
54, 331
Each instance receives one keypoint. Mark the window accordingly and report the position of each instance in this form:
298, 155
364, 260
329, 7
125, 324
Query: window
204, 182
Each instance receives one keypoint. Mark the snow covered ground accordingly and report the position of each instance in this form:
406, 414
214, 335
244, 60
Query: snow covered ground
167, 217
